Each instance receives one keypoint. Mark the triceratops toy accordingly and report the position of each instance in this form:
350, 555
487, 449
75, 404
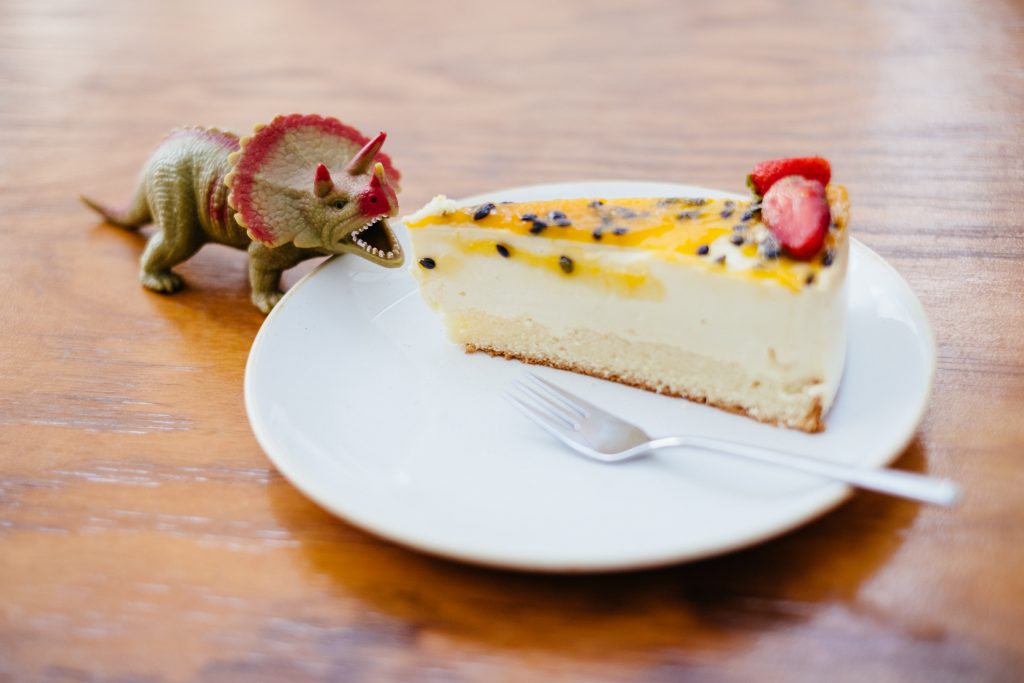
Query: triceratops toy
300, 187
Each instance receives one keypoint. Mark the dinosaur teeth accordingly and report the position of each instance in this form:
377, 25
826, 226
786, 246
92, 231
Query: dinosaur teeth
391, 254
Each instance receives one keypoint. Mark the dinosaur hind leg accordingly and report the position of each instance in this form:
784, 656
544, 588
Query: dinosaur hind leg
160, 255
177, 239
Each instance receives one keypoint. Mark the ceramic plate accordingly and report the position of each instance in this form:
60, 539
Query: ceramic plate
360, 400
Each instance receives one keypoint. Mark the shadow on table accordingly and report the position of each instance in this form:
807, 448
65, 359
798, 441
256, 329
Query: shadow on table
210, 323
720, 602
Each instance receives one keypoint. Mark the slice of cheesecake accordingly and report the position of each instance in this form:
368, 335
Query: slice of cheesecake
687, 296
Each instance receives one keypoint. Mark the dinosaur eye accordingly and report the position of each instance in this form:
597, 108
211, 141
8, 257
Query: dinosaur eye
338, 204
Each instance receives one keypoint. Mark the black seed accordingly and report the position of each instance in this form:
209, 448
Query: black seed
703, 250
565, 263
597, 234
668, 200
596, 203
810, 278
720, 260
620, 231
696, 201
688, 215
537, 227
428, 263
737, 240
739, 227
769, 247
563, 222
726, 212
623, 212
747, 215
528, 217
483, 212
556, 215
505, 202
729, 203
503, 250
828, 257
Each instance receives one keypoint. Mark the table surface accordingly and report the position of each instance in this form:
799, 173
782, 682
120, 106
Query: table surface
147, 538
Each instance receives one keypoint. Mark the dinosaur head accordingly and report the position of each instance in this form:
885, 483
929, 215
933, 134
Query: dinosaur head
349, 213
319, 184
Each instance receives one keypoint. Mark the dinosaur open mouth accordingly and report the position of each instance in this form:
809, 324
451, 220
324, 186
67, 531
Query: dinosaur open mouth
377, 240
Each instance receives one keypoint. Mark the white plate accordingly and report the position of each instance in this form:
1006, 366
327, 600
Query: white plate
363, 404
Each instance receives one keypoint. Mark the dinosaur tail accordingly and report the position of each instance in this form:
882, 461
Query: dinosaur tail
136, 215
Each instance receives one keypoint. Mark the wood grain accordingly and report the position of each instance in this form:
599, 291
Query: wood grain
145, 537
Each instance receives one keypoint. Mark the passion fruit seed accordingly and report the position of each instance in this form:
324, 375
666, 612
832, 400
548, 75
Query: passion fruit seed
428, 263
566, 264
484, 211
769, 248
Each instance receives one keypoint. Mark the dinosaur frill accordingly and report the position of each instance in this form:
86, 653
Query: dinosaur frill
274, 167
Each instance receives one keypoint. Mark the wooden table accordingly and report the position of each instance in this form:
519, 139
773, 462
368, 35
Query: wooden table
145, 536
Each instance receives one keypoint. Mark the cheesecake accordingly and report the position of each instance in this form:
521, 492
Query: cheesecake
736, 303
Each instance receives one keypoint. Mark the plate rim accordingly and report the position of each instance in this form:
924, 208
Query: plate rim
828, 497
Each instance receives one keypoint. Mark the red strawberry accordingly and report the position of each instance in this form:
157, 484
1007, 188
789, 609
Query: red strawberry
796, 211
767, 173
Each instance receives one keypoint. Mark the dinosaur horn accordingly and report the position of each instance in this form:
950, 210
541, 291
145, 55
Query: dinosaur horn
378, 179
322, 183
361, 162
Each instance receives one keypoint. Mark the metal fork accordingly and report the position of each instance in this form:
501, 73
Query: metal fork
599, 435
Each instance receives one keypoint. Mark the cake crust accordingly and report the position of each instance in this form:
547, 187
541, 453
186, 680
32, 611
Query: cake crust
811, 423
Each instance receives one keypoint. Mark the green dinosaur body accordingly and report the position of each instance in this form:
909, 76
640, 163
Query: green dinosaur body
289, 206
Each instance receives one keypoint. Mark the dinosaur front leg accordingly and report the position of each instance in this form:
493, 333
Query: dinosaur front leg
265, 267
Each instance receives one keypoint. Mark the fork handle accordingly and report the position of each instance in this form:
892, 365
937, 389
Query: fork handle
903, 484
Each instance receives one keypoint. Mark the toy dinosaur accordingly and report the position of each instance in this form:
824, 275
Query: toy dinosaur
302, 186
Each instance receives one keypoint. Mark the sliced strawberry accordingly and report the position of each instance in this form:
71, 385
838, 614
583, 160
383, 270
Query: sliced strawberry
766, 173
796, 211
